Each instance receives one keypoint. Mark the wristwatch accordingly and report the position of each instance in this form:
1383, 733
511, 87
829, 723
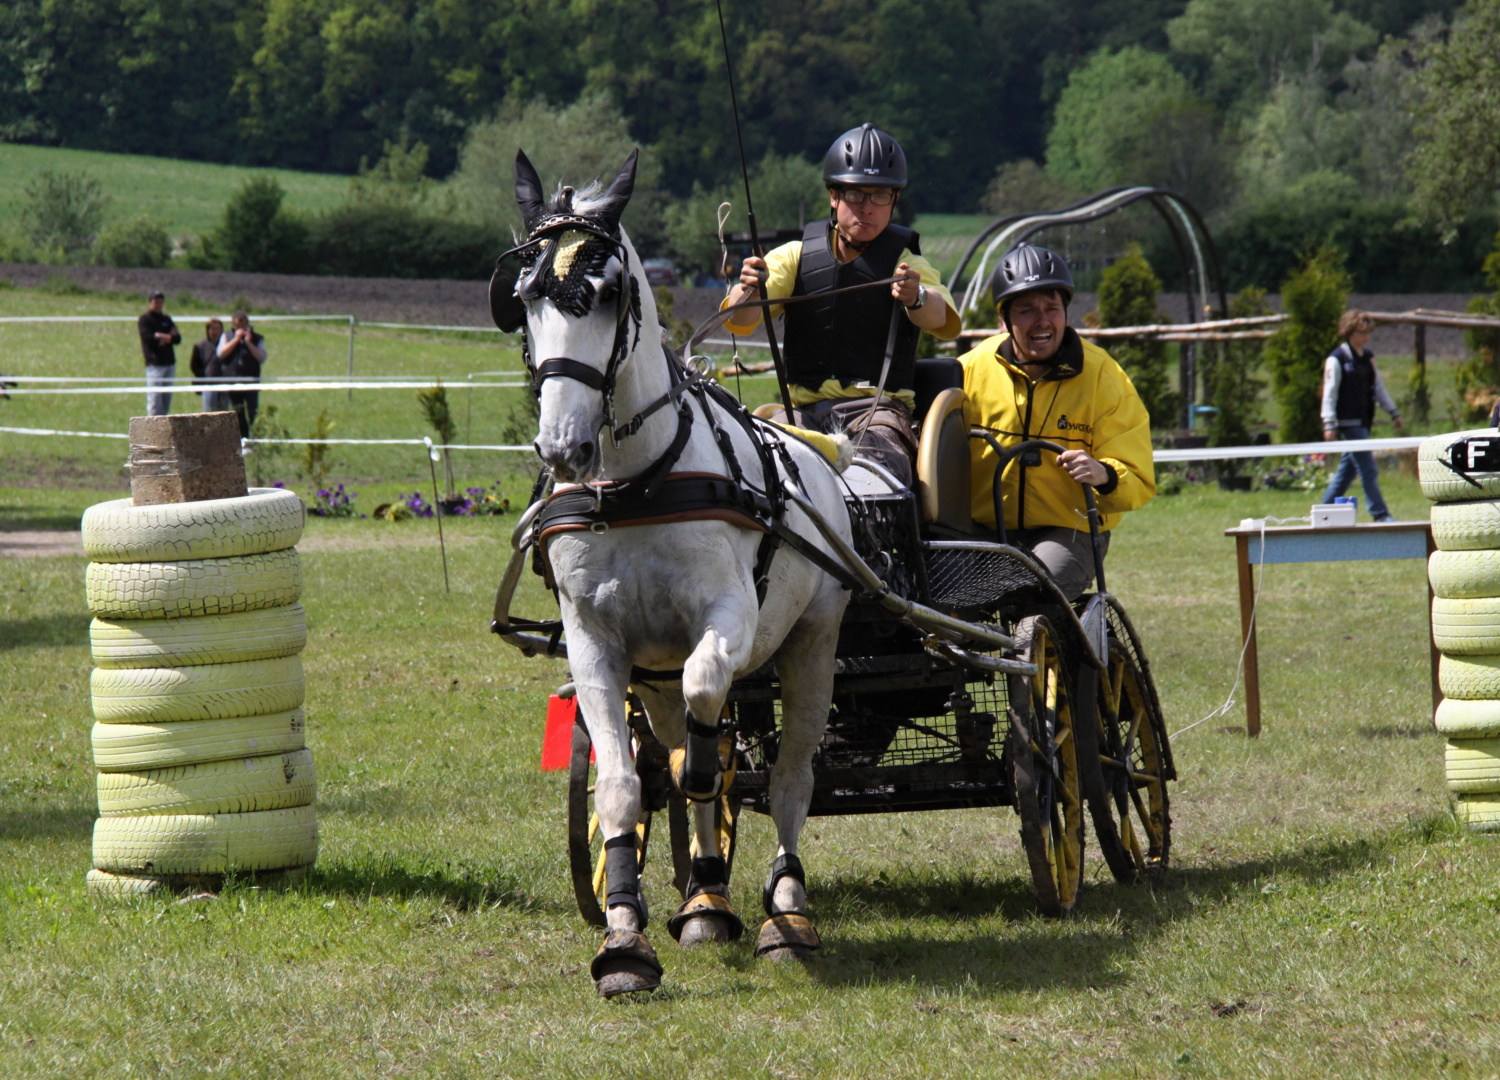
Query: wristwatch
921, 299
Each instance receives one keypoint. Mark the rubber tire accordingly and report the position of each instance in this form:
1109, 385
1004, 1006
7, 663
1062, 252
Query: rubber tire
206, 843
1469, 678
1440, 483
267, 519
1472, 766
209, 692
1476, 719
1466, 627
173, 590
107, 886
1481, 813
138, 747
238, 786
1466, 526
1464, 575
263, 634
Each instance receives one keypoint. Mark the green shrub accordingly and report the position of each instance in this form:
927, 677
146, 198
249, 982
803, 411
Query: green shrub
138, 241
1313, 299
63, 214
1127, 297
257, 235
1478, 380
1232, 379
389, 239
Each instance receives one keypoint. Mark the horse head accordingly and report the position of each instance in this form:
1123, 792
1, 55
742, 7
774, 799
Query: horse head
576, 286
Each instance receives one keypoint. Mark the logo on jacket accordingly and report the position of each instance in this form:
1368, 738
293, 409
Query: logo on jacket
1064, 424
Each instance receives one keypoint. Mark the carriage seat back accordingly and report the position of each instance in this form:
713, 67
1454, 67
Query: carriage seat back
943, 494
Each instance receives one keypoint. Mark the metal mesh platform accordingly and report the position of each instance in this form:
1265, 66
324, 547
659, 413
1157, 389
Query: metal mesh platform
968, 574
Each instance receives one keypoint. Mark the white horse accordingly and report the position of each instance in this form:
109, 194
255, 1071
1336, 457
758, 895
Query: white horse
666, 596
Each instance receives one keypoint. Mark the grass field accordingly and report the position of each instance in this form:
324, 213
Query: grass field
188, 196
1323, 917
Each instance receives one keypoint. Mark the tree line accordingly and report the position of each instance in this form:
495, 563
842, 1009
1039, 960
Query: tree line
1359, 122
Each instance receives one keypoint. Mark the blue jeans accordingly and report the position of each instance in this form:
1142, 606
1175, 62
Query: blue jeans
158, 404
1369, 476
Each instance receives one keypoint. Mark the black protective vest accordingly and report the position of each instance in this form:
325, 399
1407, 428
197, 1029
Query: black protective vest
1356, 385
843, 337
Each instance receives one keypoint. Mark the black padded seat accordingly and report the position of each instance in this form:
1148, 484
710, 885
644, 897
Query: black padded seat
934, 375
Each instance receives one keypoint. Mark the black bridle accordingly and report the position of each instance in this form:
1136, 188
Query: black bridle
520, 275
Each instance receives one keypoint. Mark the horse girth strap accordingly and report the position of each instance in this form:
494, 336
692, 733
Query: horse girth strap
680, 497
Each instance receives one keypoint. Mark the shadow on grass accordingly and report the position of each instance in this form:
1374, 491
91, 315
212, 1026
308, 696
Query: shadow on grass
1083, 952
73, 820
1398, 731
69, 628
464, 888
22, 519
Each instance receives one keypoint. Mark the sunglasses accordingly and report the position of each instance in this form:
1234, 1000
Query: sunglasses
855, 197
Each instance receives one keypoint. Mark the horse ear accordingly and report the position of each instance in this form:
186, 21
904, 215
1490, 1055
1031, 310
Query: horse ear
612, 202
528, 190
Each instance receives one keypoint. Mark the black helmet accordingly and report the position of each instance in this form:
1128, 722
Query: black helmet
1029, 269
865, 157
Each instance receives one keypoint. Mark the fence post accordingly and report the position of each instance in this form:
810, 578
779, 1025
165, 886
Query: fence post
1419, 343
350, 390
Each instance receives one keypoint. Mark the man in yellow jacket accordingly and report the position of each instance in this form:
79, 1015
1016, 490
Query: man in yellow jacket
1040, 380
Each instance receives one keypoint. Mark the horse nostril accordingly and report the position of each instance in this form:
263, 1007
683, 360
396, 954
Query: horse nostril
585, 452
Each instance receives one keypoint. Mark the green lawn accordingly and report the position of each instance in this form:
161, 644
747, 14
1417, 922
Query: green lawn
1323, 916
188, 196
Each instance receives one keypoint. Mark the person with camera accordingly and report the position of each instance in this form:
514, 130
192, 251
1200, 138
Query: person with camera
158, 336
242, 351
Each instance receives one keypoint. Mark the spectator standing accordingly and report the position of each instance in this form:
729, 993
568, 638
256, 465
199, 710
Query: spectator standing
205, 364
1351, 390
158, 336
241, 353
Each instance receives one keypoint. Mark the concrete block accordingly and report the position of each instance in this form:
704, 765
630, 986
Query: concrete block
185, 457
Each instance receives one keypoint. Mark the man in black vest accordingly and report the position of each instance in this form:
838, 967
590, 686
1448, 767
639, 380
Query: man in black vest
1351, 390
851, 358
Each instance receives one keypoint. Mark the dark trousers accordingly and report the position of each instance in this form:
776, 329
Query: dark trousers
245, 404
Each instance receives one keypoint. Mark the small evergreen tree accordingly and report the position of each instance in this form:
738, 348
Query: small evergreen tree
257, 235
1127, 297
1313, 299
1478, 380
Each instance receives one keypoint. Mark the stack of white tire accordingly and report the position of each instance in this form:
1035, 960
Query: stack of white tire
198, 691
1465, 577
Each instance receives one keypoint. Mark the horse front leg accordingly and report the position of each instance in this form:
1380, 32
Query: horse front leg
626, 962
698, 767
805, 665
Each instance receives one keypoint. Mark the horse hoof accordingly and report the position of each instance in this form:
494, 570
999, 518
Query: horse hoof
784, 953
704, 929
787, 936
626, 977
706, 917
625, 964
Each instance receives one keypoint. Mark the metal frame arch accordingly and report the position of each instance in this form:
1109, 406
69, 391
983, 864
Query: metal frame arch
1196, 252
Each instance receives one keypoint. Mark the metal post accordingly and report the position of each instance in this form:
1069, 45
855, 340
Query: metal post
350, 390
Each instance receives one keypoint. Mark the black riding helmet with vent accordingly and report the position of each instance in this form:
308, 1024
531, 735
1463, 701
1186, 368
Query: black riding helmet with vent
1029, 269
865, 157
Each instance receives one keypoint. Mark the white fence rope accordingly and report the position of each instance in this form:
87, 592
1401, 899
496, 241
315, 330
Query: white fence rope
186, 387
1217, 453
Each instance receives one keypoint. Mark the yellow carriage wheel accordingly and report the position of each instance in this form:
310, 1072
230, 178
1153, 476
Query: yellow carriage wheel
1044, 771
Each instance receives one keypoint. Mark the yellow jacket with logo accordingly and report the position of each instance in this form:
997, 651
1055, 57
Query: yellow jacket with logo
1086, 402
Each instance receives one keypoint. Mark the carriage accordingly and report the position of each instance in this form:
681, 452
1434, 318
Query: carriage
1021, 699
811, 636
